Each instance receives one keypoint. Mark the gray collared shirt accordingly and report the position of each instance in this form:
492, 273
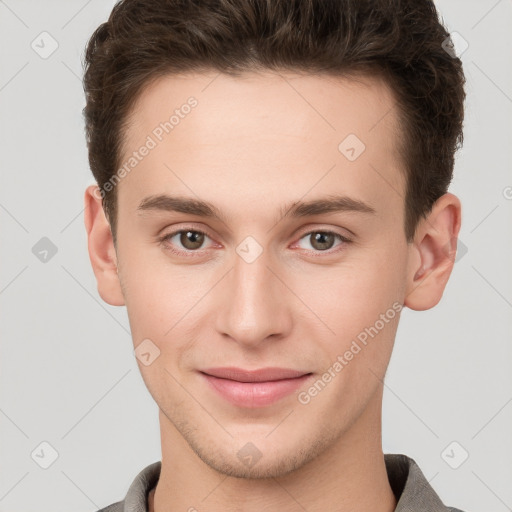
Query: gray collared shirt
411, 488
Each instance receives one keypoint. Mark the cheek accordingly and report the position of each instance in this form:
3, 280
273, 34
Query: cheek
356, 294
358, 301
150, 296
163, 300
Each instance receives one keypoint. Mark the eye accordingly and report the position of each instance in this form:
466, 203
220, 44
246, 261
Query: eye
322, 241
185, 242
190, 239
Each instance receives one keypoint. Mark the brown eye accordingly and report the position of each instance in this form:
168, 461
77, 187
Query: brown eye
322, 240
184, 241
191, 240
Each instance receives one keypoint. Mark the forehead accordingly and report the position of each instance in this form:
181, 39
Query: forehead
332, 104
263, 130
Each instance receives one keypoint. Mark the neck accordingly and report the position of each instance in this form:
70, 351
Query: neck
351, 474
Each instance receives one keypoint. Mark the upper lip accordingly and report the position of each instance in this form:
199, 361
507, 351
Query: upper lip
259, 375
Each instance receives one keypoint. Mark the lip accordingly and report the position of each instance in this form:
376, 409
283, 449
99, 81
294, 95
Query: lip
254, 388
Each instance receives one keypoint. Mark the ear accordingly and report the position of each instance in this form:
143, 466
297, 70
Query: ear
102, 252
432, 254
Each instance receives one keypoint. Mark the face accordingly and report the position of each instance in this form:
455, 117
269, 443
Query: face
258, 280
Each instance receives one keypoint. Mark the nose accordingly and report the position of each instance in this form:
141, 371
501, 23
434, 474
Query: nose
254, 303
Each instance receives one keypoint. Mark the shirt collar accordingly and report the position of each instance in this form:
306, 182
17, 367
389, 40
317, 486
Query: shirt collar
411, 488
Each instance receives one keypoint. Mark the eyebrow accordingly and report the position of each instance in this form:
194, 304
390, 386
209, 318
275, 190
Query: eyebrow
297, 209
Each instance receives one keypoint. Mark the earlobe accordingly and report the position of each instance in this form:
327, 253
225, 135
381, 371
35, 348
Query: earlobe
432, 254
101, 248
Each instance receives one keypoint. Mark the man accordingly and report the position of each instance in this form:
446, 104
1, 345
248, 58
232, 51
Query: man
271, 192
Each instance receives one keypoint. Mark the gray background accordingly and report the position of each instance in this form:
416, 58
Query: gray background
68, 373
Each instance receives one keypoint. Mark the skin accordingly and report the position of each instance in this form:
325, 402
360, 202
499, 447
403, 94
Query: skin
253, 145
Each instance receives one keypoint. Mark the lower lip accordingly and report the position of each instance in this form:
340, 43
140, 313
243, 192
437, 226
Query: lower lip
255, 394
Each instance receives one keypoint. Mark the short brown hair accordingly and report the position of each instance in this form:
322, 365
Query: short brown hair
401, 40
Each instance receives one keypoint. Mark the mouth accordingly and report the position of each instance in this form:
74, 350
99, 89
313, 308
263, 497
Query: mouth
254, 388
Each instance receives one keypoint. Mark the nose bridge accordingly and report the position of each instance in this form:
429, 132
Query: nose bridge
255, 307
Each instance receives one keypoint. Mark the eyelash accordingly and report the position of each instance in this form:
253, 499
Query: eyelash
190, 253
